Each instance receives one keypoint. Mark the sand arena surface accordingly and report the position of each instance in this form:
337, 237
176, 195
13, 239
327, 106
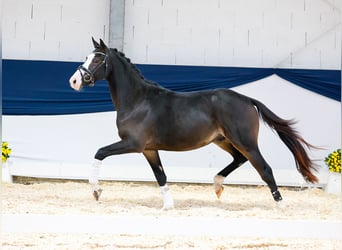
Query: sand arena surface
143, 199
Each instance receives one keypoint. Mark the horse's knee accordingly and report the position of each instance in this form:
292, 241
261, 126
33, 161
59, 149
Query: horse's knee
100, 154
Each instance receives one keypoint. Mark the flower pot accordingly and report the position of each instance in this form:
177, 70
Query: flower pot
6, 173
334, 183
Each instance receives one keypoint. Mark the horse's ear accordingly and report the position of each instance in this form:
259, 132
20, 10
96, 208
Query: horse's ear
96, 44
103, 45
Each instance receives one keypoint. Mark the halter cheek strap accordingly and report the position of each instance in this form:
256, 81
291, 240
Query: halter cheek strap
83, 69
90, 73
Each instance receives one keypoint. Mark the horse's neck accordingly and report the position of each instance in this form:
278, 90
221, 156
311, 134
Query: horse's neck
125, 87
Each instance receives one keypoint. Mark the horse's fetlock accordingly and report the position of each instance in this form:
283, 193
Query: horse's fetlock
219, 179
277, 196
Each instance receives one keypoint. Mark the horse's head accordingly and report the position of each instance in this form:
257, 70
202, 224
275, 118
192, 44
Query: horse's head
93, 69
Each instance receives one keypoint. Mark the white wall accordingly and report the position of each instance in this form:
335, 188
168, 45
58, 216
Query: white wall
255, 33
55, 30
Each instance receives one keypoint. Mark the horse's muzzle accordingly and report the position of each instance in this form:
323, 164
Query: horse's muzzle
76, 81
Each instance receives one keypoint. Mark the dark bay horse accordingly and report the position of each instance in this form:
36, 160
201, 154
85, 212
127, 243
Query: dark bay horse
152, 118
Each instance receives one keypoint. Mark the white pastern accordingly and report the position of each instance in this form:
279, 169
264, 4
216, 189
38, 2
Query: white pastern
167, 198
218, 180
94, 174
218, 184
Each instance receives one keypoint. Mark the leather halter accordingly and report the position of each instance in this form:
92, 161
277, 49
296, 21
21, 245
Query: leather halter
89, 78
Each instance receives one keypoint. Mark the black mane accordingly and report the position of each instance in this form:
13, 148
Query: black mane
128, 63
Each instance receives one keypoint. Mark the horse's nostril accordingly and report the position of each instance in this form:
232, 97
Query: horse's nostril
74, 81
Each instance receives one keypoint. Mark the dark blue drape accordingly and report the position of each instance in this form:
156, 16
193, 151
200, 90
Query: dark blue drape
42, 87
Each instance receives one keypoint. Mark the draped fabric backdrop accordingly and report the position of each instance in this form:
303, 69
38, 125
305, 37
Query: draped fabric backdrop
42, 87
286, 54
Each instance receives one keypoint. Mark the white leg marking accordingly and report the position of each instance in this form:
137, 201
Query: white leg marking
94, 174
219, 179
218, 184
167, 198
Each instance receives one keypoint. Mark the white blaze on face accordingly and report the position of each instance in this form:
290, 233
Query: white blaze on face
88, 61
76, 79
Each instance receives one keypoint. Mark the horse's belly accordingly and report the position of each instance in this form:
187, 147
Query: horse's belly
190, 126
184, 141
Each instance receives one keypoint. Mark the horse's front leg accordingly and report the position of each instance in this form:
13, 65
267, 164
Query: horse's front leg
121, 147
94, 179
153, 159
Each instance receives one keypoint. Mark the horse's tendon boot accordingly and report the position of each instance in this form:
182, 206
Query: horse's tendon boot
276, 196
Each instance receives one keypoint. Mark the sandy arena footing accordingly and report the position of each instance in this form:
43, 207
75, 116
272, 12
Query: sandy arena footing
194, 226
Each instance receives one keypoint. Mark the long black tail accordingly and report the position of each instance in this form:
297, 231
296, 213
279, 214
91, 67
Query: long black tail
292, 140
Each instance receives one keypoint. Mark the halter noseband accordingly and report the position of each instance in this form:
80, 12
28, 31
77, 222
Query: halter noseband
89, 77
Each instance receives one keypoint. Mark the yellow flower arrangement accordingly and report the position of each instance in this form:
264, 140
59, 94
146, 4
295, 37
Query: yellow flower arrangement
333, 161
6, 151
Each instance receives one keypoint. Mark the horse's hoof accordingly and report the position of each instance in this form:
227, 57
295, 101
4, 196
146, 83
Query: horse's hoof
218, 191
167, 207
218, 184
97, 194
281, 204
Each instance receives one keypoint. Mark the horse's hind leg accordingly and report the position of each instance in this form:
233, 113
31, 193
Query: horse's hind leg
243, 134
153, 159
252, 153
265, 171
238, 160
